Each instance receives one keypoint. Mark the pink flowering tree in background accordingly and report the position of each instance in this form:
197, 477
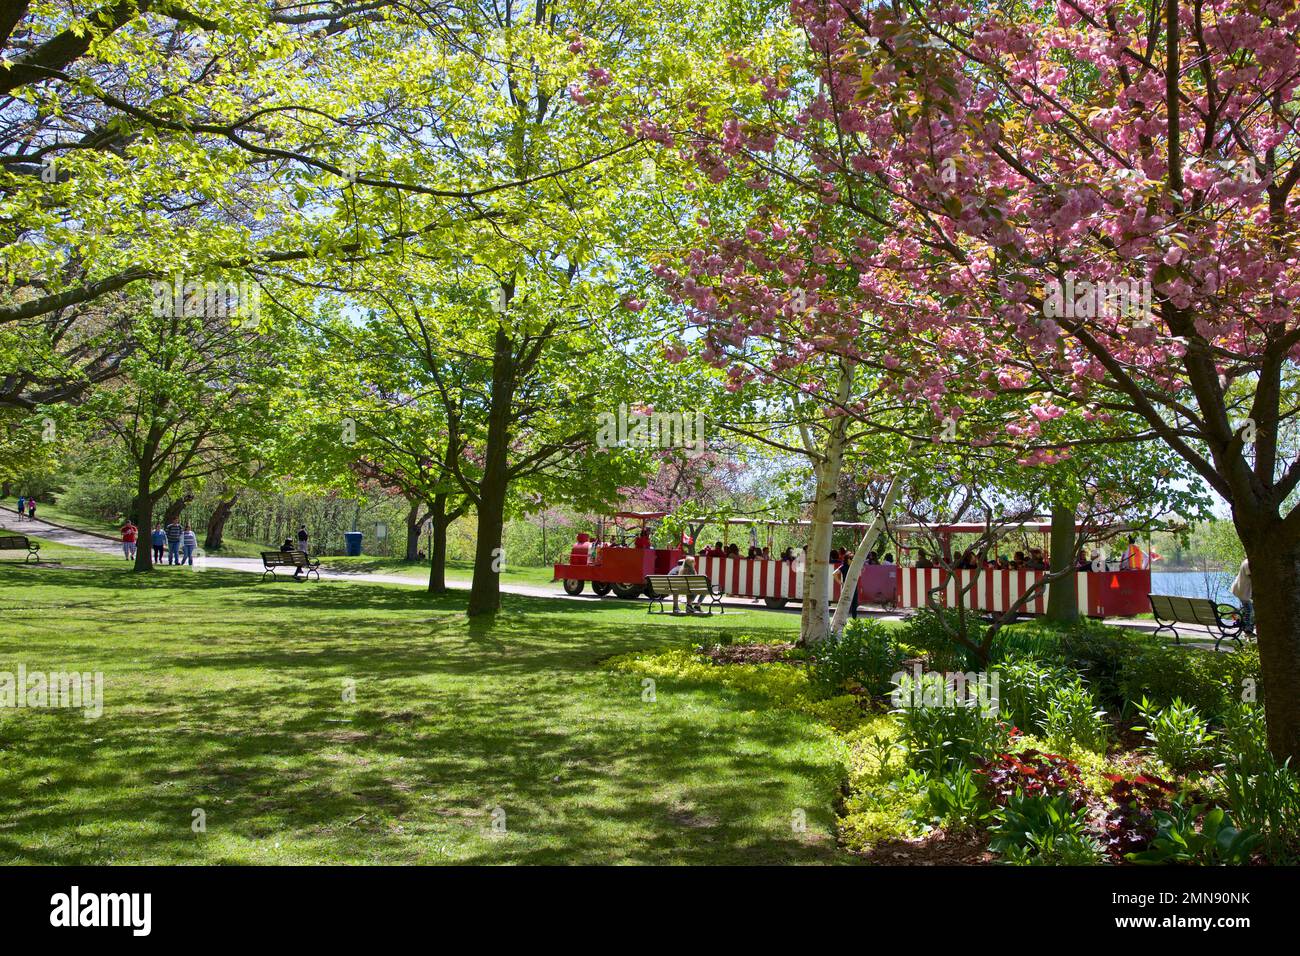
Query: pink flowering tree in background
1087, 205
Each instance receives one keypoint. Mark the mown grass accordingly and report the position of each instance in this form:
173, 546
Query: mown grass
457, 571
227, 696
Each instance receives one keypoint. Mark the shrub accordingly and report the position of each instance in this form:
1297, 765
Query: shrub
1217, 842
1264, 796
1177, 734
866, 655
1073, 719
1036, 639
948, 736
1244, 738
1024, 688
931, 631
1210, 682
956, 802
1042, 829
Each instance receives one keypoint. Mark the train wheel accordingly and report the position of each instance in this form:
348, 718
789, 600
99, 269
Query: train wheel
776, 602
572, 586
601, 587
628, 591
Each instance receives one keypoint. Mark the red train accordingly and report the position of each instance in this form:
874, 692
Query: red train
622, 569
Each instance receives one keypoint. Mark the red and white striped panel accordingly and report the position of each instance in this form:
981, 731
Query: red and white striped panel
992, 590
757, 577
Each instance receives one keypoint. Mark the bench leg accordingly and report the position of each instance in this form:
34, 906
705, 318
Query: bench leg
1167, 627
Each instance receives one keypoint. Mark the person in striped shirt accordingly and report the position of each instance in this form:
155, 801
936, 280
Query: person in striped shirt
174, 534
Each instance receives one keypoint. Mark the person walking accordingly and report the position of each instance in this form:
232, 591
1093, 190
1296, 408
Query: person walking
189, 544
129, 535
302, 546
1244, 592
158, 539
174, 533
31, 509
22, 503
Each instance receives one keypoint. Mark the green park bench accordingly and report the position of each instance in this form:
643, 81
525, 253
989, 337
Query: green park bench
20, 542
1222, 620
289, 559
662, 587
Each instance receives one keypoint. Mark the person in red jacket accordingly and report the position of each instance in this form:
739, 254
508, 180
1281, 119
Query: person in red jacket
129, 535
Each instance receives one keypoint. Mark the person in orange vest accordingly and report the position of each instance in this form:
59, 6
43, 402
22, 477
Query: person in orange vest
1135, 559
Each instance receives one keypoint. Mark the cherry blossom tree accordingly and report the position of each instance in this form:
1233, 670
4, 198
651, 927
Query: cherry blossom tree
1083, 203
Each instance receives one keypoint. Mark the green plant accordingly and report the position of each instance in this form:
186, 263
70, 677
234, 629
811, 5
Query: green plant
1210, 682
1073, 719
956, 801
1024, 687
932, 631
1264, 796
1179, 841
866, 654
1177, 734
1244, 737
948, 733
1042, 829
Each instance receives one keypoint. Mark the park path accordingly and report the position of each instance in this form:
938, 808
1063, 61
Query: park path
104, 545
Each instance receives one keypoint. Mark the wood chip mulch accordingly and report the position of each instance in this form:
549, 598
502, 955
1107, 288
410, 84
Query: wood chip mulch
749, 653
935, 849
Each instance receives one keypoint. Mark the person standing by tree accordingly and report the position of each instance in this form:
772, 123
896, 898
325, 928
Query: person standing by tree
302, 538
1241, 588
129, 534
189, 544
159, 541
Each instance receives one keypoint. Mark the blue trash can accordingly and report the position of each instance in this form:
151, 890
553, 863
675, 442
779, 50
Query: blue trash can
352, 544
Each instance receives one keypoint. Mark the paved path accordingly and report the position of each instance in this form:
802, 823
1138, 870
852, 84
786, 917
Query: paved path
104, 545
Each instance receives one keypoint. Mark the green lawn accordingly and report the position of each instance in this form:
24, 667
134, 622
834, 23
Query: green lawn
456, 570
225, 695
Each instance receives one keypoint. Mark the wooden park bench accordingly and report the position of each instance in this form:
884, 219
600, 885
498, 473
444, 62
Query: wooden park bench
20, 542
663, 587
1223, 620
289, 559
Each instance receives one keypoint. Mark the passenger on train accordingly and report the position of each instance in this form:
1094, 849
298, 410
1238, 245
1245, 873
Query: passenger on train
923, 559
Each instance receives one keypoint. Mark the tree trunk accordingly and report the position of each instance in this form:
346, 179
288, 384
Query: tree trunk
485, 591
815, 622
1275, 580
414, 525
438, 552
177, 505
217, 523
142, 504
848, 594
1063, 594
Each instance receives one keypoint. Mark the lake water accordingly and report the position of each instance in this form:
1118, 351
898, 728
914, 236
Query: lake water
1211, 584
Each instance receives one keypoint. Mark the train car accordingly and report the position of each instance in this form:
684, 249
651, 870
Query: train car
777, 582
1107, 591
612, 565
